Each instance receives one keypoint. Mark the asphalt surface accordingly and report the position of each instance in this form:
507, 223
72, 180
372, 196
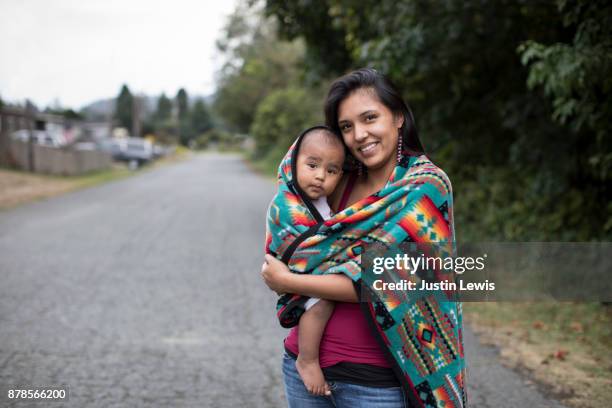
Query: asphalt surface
146, 292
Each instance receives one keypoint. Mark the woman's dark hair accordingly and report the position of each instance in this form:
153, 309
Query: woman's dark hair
387, 94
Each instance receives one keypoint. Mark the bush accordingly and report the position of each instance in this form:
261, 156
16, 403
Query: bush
217, 138
280, 118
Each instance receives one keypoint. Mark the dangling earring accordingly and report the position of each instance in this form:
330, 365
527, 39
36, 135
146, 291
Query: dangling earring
359, 169
399, 147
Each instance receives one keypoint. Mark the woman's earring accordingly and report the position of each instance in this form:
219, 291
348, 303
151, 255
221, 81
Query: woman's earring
359, 169
399, 147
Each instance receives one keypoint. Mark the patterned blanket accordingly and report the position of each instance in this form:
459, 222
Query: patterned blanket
421, 334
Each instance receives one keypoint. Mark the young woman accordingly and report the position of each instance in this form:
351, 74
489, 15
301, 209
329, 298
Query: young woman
357, 355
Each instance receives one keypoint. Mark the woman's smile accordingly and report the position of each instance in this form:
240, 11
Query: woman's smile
369, 149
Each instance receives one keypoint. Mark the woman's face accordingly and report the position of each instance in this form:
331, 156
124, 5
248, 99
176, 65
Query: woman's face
369, 128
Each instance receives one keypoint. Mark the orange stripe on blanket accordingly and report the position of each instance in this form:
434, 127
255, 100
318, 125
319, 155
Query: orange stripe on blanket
299, 214
358, 211
392, 302
425, 223
443, 398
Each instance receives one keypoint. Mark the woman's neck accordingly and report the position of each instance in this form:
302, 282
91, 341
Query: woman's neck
377, 178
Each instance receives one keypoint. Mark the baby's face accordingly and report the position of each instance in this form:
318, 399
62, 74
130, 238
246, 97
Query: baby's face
319, 165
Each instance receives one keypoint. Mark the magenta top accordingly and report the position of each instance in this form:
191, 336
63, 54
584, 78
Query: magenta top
347, 336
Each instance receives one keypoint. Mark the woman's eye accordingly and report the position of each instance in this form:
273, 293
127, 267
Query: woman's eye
370, 117
345, 127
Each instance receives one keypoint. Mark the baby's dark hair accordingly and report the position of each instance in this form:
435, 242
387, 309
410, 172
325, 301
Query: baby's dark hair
328, 133
330, 136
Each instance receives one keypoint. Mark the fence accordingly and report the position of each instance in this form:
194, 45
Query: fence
69, 160
66, 161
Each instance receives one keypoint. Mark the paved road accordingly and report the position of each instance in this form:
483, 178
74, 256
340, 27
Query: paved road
146, 292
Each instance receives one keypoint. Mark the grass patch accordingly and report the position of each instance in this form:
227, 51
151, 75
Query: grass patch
267, 166
19, 187
566, 346
116, 172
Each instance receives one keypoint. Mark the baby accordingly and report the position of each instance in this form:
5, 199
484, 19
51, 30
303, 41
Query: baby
319, 169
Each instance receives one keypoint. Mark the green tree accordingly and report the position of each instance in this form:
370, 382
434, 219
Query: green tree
182, 104
522, 168
257, 63
200, 119
164, 108
326, 49
163, 123
123, 108
575, 75
279, 119
184, 128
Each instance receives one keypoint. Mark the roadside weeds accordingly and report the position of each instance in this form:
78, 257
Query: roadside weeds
564, 347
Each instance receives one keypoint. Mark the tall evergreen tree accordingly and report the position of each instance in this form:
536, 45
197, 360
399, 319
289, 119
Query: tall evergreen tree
200, 118
164, 108
182, 103
123, 108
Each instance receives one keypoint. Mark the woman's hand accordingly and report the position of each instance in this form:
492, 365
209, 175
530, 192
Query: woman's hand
332, 287
275, 274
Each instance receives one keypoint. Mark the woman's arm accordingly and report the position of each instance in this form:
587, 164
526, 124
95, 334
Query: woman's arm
332, 287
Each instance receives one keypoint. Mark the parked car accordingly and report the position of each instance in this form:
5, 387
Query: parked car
138, 151
133, 150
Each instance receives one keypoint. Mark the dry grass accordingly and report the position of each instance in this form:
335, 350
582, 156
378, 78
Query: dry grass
19, 187
566, 347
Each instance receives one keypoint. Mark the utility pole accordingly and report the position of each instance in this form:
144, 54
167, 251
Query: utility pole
4, 138
30, 119
136, 107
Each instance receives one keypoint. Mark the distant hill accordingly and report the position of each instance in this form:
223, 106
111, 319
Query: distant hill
103, 108
99, 110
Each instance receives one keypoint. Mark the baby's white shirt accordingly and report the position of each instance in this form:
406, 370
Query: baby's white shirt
323, 207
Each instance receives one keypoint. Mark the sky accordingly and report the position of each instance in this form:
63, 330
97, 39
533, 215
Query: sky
78, 51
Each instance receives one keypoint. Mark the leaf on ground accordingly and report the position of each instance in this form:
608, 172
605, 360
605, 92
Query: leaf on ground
561, 354
577, 327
